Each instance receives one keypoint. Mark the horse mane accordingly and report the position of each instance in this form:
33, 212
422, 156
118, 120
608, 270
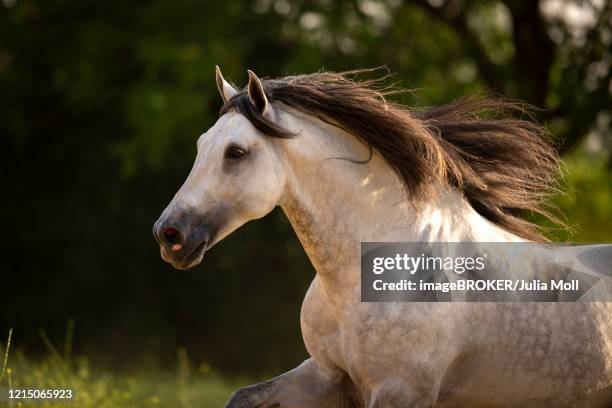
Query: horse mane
504, 165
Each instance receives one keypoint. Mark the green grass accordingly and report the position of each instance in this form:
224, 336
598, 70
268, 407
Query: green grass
184, 386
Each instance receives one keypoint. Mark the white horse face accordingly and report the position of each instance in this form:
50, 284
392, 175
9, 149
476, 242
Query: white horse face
237, 176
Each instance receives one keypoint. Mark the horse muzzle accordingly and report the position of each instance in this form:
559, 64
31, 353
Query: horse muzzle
183, 239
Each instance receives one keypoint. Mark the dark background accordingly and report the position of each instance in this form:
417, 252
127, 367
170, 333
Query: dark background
101, 104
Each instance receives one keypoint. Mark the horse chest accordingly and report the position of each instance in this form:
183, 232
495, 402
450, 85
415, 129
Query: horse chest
321, 330
374, 343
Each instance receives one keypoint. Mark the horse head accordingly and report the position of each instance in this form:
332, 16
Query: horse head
237, 177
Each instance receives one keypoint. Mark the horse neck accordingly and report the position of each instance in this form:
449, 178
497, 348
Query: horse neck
334, 204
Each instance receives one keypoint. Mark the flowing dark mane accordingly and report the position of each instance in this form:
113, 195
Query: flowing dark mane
504, 164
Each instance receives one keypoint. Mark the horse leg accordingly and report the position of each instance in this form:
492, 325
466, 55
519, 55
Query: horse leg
305, 386
398, 394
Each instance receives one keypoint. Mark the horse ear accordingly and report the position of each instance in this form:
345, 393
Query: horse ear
225, 89
257, 94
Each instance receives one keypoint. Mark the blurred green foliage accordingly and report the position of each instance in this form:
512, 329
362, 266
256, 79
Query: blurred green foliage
588, 202
101, 104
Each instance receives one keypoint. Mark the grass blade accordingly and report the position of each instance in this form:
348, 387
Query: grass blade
6, 353
68, 340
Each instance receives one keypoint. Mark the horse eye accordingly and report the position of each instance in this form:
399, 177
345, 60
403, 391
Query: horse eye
234, 152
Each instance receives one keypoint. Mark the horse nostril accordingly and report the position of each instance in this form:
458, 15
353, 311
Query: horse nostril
170, 233
173, 238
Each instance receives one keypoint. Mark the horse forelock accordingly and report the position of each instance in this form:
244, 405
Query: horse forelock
489, 148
